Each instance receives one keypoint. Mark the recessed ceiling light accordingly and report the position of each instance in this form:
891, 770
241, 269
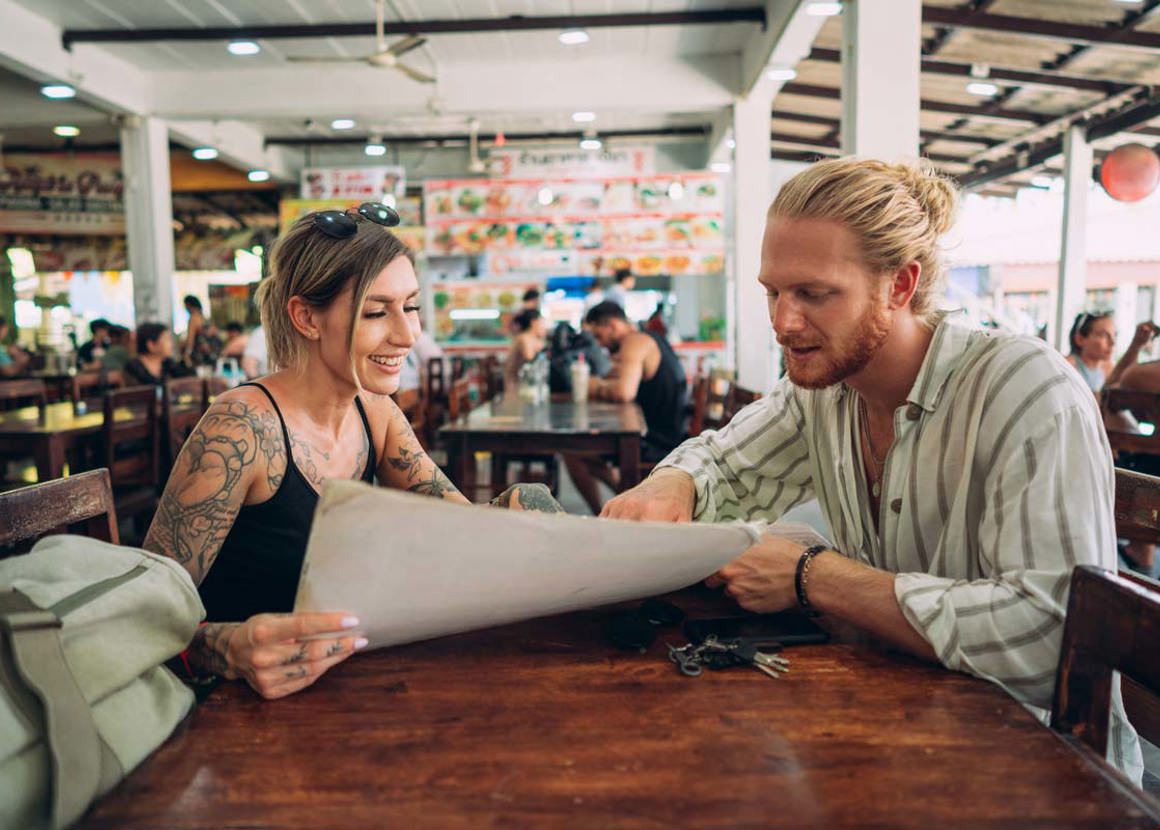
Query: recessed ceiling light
590, 143
205, 153
545, 196
720, 167
823, 9
676, 191
243, 47
982, 88
58, 91
342, 124
573, 37
258, 175
583, 117
781, 73
375, 150
67, 131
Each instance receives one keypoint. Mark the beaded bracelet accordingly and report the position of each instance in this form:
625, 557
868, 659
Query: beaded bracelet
801, 575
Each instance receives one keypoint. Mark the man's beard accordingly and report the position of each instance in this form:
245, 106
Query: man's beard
852, 356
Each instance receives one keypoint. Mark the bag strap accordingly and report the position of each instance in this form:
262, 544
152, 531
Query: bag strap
73, 742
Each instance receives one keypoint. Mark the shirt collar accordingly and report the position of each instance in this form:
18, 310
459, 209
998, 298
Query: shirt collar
946, 349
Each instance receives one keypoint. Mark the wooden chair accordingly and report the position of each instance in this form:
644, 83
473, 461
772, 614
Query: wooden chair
459, 401
698, 405
86, 385
183, 402
739, 397
491, 377
15, 394
82, 503
131, 449
1113, 624
1145, 407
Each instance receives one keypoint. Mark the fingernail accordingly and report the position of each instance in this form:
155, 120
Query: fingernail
349, 622
361, 642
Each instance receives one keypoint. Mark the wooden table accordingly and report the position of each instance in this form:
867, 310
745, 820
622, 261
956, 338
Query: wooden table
49, 434
510, 426
545, 724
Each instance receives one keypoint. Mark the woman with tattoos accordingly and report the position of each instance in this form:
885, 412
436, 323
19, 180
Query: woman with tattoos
340, 311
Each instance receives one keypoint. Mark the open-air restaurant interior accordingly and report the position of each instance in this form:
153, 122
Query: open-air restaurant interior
579, 413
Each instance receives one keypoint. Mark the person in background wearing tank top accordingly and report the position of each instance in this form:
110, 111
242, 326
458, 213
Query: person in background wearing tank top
340, 313
1093, 339
645, 370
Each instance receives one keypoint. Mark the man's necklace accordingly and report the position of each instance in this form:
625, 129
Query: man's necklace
879, 464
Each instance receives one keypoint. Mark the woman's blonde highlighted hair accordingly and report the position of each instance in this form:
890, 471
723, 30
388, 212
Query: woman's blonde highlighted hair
897, 211
307, 263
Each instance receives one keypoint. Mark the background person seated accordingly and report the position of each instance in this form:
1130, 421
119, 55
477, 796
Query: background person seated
154, 363
645, 370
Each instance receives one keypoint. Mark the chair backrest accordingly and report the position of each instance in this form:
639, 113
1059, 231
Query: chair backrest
1145, 406
183, 403
131, 446
698, 404
1137, 507
459, 398
87, 385
54, 506
17, 393
739, 398
1113, 624
491, 376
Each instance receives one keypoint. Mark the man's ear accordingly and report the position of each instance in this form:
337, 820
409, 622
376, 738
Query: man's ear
903, 284
302, 317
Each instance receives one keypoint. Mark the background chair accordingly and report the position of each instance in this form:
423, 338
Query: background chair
86, 385
15, 394
80, 504
130, 449
183, 402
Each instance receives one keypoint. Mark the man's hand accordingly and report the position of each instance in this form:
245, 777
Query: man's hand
667, 495
762, 578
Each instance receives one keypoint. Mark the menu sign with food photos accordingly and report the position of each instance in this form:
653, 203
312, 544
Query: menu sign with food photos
572, 162
62, 193
364, 184
665, 224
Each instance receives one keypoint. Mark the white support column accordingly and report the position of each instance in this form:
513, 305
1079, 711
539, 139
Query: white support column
149, 216
881, 53
1077, 183
756, 349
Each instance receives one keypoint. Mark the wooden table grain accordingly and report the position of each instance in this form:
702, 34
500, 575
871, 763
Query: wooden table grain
49, 433
510, 426
545, 724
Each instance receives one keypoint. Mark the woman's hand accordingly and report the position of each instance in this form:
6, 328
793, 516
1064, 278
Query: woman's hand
1143, 336
277, 654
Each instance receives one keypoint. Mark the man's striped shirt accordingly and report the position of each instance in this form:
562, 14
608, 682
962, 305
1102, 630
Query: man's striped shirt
998, 483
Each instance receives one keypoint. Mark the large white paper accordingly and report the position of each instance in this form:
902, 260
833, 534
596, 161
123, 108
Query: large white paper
414, 567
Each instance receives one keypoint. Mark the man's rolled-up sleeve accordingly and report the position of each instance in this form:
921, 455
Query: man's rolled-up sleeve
757, 467
1048, 507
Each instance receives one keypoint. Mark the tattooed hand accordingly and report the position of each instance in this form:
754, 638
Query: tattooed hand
535, 497
277, 654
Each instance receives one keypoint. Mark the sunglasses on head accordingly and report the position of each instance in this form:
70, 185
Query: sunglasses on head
340, 224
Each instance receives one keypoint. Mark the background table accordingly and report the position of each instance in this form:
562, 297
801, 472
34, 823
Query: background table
545, 724
510, 426
49, 433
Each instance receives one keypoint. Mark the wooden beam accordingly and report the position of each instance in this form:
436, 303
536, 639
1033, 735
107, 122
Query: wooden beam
1038, 27
833, 93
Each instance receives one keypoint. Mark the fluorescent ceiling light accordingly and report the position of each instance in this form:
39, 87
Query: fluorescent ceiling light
66, 131
342, 124
243, 47
982, 88
720, 167
258, 175
375, 150
583, 117
205, 153
591, 143
475, 314
781, 73
823, 9
58, 91
573, 37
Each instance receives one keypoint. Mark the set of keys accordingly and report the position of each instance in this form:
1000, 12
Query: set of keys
716, 653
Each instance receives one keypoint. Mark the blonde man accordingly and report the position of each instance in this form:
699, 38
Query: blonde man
963, 474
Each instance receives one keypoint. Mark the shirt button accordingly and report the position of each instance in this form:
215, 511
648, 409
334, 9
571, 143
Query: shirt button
913, 412
896, 505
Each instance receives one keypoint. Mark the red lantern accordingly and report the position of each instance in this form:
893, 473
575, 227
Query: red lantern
1130, 172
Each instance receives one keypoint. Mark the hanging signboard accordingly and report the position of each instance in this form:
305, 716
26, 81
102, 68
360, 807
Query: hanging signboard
572, 163
364, 184
62, 193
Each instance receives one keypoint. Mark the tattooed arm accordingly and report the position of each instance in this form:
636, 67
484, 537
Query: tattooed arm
405, 465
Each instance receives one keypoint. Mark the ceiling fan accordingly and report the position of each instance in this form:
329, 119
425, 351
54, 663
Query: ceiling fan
387, 57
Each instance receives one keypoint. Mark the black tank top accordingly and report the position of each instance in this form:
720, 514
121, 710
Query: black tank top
260, 560
662, 398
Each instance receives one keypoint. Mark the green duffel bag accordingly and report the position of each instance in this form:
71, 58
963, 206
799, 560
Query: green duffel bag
84, 697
